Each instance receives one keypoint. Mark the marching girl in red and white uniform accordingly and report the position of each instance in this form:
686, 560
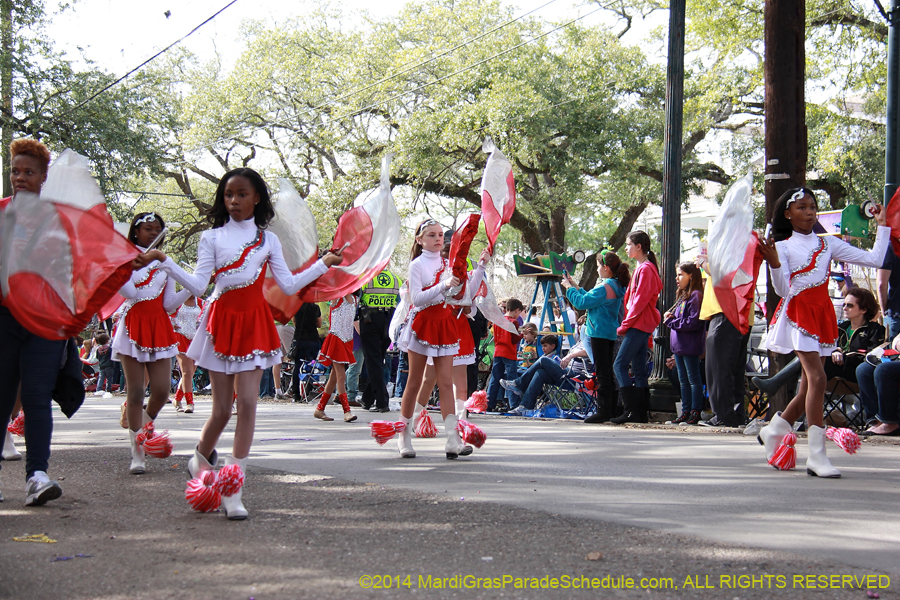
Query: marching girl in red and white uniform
466, 354
236, 338
432, 333
805, 323
337, 353
144, 338
185, 321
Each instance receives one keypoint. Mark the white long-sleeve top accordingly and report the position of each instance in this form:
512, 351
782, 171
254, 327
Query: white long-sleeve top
423, 272
224, 246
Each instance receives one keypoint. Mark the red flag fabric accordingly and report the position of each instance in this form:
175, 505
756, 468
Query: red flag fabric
498, 192
61, 258
893, 221
459, 251
737, 300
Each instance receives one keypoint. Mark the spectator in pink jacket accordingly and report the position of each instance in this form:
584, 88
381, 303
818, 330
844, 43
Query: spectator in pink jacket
641, 318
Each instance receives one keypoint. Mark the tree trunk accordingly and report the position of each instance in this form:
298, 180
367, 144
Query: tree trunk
6, 99
786, 145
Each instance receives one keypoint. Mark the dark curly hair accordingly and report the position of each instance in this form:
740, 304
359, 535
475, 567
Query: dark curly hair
262, 213
781, 225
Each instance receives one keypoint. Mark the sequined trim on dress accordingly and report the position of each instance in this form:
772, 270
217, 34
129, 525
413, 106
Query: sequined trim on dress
239, 263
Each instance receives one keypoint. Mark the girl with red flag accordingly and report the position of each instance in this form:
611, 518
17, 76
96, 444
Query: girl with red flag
144, 340
432, 333
237, 339
805, 323
27, 359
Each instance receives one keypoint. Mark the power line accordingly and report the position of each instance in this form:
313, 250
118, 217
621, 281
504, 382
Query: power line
149, 60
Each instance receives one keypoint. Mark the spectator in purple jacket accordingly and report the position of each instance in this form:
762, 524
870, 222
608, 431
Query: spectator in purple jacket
688, 340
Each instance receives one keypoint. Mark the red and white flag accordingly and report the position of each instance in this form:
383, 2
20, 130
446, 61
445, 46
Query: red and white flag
61, 257
733, 257
498, 192
372, 230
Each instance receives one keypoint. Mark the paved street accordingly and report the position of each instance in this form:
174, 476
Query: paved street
536, 500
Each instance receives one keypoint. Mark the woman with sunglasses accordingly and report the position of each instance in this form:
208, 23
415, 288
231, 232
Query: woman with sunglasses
804, 321
144, 340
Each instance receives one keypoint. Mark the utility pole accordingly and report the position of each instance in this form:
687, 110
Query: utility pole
892, 138
6, 104
670, 241
786, 144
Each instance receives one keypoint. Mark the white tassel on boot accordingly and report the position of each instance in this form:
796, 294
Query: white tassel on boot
454, 446
198, 463
818, 464
771, 435
232, 505
9, 448
404, 438
137, 455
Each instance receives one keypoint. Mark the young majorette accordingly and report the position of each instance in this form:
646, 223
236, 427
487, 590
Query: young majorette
431, 333
185, 320
236, 338
805, 323
337, 353
145, 339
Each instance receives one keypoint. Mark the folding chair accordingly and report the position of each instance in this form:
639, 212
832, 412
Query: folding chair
842, 406
571, 397
313, 377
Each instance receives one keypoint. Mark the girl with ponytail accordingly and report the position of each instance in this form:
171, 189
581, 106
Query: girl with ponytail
604, 309
641, 318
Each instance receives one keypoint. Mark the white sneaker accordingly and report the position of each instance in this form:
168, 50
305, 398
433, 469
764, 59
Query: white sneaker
40, 489
519, 410
98, 394
107, 395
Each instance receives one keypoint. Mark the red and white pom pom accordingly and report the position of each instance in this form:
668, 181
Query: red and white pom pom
471, 434
426, 428
785, 458
383, 431
201, 493
17, 425
230, 480
846, 439
156, 444
477, 402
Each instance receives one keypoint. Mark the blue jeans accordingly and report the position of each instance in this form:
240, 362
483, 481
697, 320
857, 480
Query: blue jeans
544, 371
503, 368
105, 380
267, 384
34, 362
690, 381
402, 374
633, 351
892, 324
879, 389
353, 374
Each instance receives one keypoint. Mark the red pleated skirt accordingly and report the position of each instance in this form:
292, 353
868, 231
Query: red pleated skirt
241, 323
183, 343
464, 333
334, 350
149, 327
813, 313
434, 327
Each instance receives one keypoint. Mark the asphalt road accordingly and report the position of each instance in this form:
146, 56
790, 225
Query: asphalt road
687, 512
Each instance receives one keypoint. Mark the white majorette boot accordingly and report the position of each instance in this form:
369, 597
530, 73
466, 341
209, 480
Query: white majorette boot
818, 464
9, 448
454, 446
461, 411
198, 463
771, 435
404, 439
146, 418
137, 455
234, 509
